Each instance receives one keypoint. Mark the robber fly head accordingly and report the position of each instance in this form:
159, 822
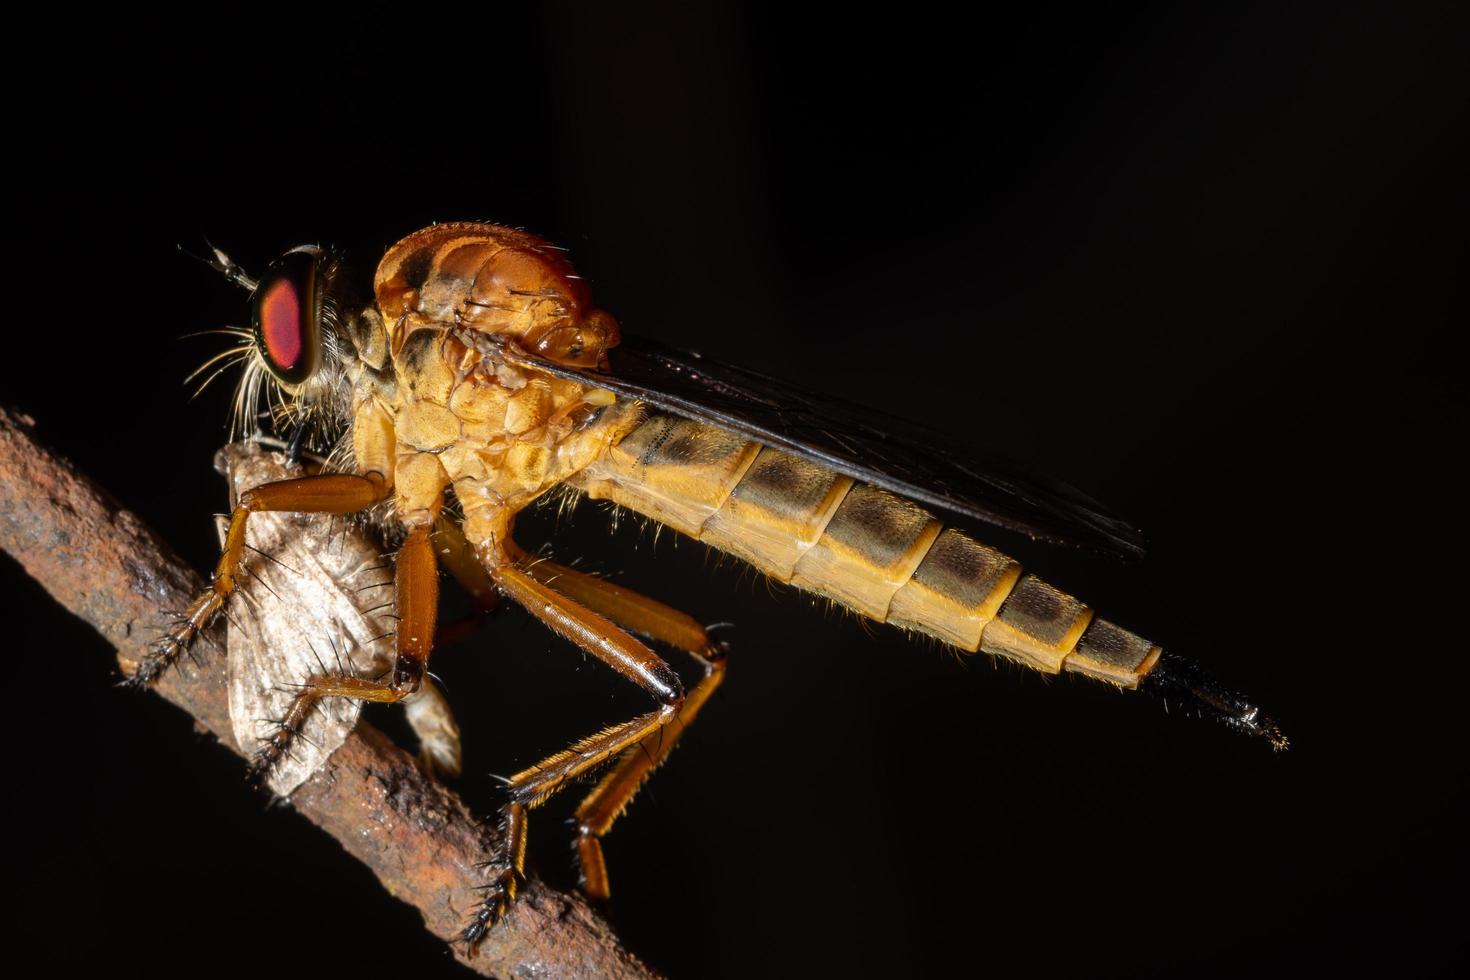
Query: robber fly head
293, 349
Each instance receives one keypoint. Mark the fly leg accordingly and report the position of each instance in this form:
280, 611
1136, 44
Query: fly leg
457, 557
416, 599
596, 814
428, 711
534, 786
335, 493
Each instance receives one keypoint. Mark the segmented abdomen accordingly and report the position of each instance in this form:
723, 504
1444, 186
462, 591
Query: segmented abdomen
873, 552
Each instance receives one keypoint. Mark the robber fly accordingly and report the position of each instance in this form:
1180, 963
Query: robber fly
481, 371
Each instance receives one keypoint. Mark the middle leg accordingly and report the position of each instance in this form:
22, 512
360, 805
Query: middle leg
416, 598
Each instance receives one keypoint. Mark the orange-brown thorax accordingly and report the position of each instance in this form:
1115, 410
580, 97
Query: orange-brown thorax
441, 413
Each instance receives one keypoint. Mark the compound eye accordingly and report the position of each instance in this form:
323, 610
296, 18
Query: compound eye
286, 315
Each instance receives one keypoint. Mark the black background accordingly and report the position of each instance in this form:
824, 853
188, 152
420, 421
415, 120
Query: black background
1202, 264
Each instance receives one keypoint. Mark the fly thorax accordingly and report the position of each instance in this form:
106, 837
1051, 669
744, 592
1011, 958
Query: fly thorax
546, 436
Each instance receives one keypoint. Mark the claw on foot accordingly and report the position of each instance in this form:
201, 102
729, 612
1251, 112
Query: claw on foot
499, 894
271, 752
278, 745
166, 651
507, 874
162, 655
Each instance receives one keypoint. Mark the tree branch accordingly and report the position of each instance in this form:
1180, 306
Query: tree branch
422, 842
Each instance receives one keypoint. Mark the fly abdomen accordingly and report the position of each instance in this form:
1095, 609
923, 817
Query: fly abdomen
863, 547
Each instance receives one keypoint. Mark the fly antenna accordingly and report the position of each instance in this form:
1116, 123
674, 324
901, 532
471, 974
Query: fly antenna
223, 264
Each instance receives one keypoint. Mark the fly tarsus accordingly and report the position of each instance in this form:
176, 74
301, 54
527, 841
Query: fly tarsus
1176, 678
498, 894
289, 728
277, 745
178, 641
161, 656
507, 874
272, 751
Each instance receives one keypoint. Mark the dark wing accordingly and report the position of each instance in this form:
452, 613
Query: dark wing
899, 456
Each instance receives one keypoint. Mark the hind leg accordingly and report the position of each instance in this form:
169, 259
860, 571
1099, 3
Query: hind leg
628, 609
531, 787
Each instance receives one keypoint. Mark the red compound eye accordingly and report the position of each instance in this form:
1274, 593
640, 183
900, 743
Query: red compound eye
280, 323
286, 314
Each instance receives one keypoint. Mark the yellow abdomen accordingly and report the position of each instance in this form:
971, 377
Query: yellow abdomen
863, 547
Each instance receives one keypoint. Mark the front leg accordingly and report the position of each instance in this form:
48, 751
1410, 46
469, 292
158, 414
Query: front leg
332, 493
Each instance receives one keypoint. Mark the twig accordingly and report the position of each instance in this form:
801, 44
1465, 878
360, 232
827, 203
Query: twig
422, 842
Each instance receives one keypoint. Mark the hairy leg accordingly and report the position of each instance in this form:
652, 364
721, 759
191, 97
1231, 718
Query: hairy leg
336, 493
606, 802
531, 787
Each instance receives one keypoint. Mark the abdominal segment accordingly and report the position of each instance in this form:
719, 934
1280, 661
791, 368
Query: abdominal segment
860, 546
